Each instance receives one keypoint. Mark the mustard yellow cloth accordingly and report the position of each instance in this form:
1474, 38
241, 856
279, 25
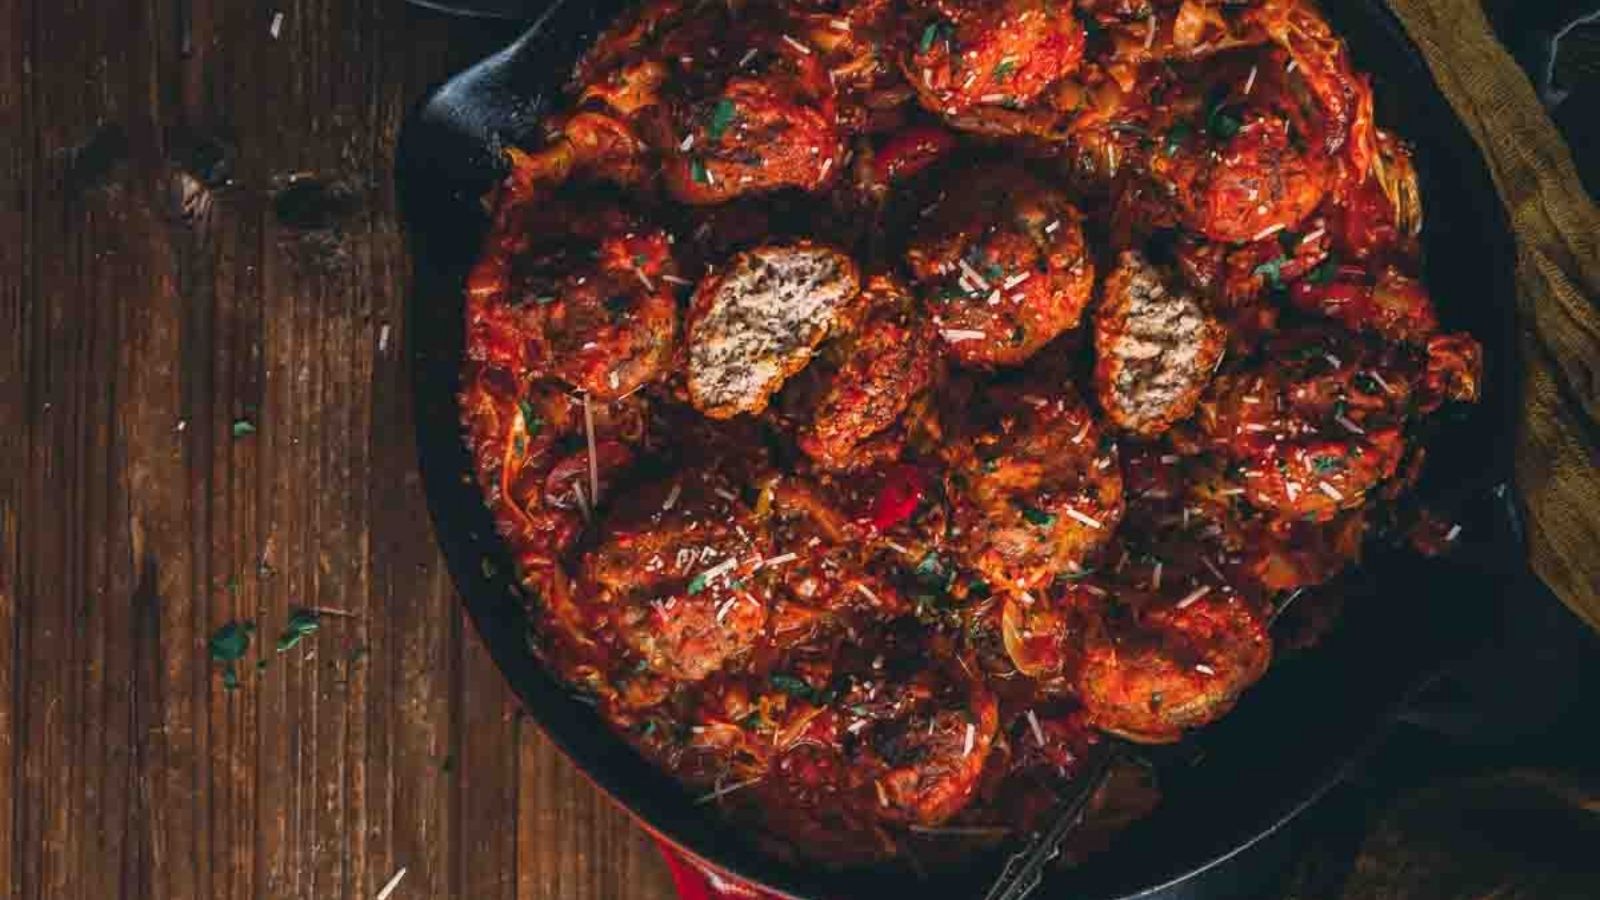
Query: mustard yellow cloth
1558, 273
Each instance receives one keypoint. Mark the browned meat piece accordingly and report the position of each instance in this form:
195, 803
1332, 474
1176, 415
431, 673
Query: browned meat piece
1001, 53
1155, 349
591, 305
613, 329
1035, 488
820, 573
733, 100
1180, 661
925, 742
888, 360
1244, 185
1316, 425
1001, 263
1185, 518
1234, 281
759, 320
673, 576
1392, 305
855, 39
1233, 162
770, 123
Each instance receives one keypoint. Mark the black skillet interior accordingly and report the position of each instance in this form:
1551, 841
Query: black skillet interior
1291, 738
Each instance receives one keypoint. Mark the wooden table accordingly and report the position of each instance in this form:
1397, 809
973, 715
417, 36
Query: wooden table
204, 417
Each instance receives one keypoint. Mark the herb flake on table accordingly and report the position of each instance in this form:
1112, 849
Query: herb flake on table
227, 646
302, 622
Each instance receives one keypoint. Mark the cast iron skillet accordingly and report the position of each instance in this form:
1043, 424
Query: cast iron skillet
1291, 738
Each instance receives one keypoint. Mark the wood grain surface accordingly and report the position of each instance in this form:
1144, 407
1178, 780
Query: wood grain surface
204, 418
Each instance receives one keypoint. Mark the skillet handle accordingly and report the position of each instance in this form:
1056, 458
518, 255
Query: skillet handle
696, 880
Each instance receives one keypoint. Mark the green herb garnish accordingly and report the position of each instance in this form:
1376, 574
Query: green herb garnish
1221, 122
301, 623
1324, 271
697, 171
721, 118
933, 572
1036, 516
1322, 465
794, 687
1004, 68
243, 428
1272, 270
530, 421
1176, 137
228, 645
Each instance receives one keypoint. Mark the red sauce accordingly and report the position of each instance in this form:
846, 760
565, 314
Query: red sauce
999, 476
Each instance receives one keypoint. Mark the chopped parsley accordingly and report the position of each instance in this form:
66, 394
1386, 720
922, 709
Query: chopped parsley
697, 171
934, 32
228, 645
933, 572
1221, 121
798, 688
1176, 137
721, 117
1324, 271
1036, 516
1005, 67
529, 421
1323, 465
1272, 270
301, 623
697, 584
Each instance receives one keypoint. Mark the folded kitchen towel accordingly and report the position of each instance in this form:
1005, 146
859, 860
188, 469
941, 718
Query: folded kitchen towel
1557, 230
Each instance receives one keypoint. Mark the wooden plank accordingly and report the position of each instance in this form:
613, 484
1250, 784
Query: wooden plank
154, 291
